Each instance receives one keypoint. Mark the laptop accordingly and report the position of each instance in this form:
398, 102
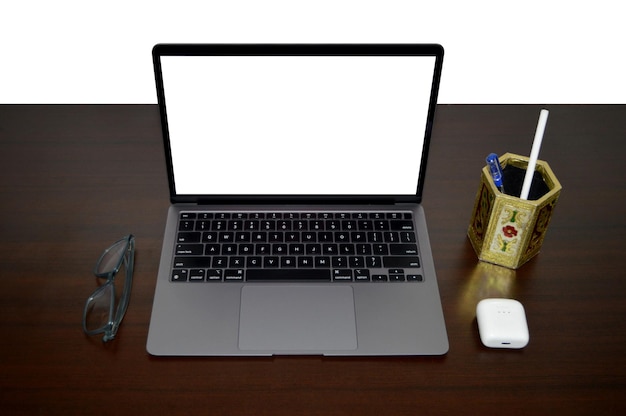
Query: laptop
296, 175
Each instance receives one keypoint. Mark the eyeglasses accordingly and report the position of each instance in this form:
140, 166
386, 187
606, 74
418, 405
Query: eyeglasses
104, 309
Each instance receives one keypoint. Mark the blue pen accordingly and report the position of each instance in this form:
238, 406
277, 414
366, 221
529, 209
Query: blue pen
496, 170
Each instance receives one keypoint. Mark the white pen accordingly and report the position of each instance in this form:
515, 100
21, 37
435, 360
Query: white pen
534, 153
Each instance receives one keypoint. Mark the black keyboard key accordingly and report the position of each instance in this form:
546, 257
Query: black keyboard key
192, 262
325, 237
214, 275
300, 225
342, 237
276, 237
203, 225
396, 278
212, 249
296, 249
219, 262
348, 225
403, 249
246, 249
316, 225
333, 225
271, 261
342, 275
401, 261
375, 237
361, 275
180, 275
236, 262
279, 249
209, 237
401, 225
292, 237
219, 225
288, 275
189, 249
268, 225
365, 225
259, 237
373, 262
414, 278
313, 249
254, 261
322, 261
263, 249
391, 237
186, 225
226, 237
196, 275
364, 249
305, 261
309, 237
339, 261
356, 261
330, 249
284, 225
235, 225
288, 261
380, 249
346, 249
251, 225
229, 249
233, 275
381, 225
189, 237
243, 237
407, 237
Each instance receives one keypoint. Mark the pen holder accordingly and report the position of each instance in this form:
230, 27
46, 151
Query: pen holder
505, 229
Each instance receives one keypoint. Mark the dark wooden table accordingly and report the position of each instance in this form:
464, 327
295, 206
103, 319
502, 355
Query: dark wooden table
74, 178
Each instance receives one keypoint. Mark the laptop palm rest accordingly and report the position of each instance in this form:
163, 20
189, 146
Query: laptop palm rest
297, 318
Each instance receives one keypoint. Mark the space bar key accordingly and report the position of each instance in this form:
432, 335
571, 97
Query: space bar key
287, 275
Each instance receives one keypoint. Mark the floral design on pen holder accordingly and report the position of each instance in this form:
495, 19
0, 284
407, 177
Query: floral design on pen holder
505, 229
513, 222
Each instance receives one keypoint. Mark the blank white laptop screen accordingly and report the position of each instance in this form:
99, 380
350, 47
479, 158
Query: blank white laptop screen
297, 125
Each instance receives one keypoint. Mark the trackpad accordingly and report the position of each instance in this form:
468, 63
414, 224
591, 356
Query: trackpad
298, 318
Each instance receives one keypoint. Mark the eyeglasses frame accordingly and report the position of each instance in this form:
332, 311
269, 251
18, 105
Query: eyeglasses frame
115, 315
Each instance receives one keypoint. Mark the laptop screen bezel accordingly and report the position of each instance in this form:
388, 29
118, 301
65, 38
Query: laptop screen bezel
161, 50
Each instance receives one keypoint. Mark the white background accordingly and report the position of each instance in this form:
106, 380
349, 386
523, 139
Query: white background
497, 51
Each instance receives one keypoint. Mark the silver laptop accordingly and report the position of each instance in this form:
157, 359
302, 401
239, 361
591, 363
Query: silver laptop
296, 175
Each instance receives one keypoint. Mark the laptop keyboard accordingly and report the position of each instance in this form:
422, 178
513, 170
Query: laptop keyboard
303, 246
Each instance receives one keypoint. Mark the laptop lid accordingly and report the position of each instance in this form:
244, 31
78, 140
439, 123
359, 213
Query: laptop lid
297, 122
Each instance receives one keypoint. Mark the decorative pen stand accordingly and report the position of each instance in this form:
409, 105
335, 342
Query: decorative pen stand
505, 229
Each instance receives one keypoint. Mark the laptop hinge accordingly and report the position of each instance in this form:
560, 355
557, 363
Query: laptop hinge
317, 200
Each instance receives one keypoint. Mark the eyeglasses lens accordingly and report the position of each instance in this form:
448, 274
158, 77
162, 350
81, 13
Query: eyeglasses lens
99, 308
111, 258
